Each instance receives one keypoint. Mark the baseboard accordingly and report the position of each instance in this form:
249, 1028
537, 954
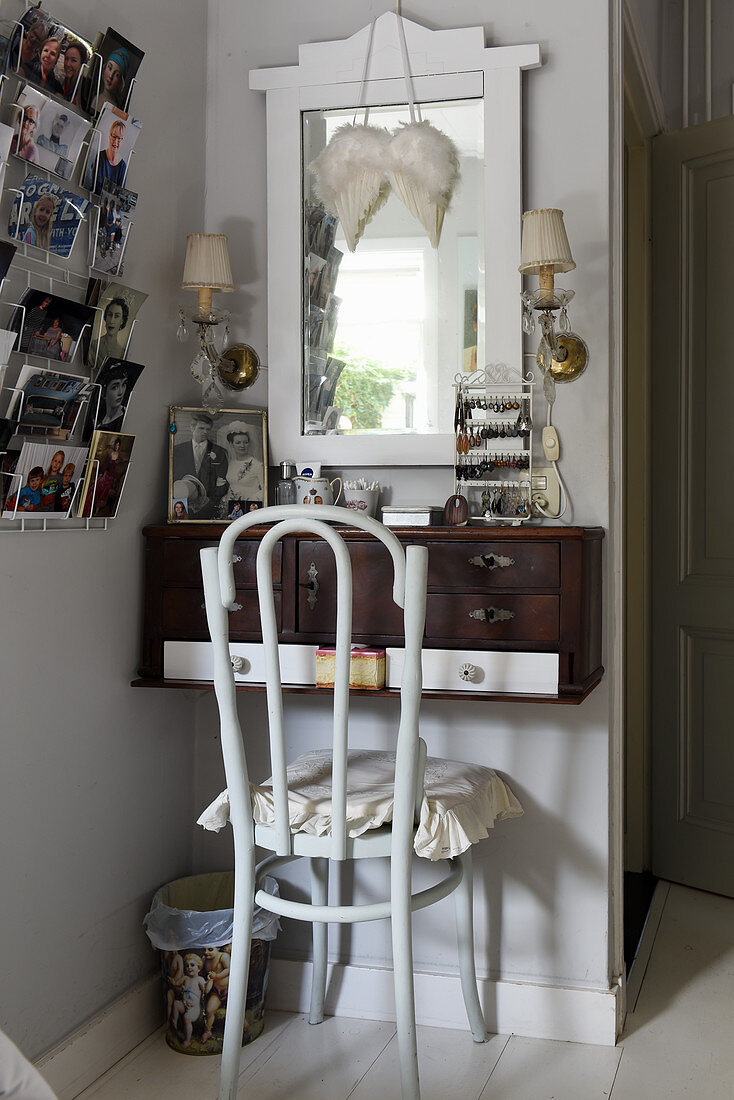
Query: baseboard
519, 1008
88, 1053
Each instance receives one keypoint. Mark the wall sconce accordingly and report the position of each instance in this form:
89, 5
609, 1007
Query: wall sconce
562, 354
207, 269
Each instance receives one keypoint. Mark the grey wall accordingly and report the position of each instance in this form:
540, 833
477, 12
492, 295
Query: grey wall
96, 782
542, 909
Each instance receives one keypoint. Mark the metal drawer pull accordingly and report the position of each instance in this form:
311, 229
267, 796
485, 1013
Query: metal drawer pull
491, 561
491, 614
232, 607
312, 585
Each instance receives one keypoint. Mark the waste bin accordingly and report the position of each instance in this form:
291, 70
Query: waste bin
190, 923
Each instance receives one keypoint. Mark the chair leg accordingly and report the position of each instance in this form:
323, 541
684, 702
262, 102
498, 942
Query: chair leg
402, 954
239, 967
464, 909
320, 933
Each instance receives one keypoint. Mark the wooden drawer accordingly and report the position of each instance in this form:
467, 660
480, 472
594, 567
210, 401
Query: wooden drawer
533, 619
483, 565
183, 614
182, 566
374, 614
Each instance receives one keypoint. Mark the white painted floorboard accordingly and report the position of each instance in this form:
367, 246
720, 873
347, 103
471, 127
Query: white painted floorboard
677, 1043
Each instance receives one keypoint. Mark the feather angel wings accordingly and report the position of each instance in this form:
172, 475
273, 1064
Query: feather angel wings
361, 164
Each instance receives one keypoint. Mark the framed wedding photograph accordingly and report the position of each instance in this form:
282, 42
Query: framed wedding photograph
218, 464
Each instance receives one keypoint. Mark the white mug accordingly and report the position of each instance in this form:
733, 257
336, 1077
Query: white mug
363, 501
316, 490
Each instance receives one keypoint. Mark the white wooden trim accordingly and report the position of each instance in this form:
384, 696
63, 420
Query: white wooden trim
442, 51
88, 1053
444, 65
615, 562
519, 1008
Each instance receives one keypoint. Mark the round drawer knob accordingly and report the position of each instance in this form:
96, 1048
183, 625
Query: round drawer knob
239, 664
467, 672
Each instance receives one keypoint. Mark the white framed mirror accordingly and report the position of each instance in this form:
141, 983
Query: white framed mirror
363, 346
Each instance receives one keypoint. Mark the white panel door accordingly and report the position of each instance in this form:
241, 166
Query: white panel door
693, 507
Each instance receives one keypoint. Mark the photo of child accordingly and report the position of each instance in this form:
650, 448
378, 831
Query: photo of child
49, 215
44, 480
29, 498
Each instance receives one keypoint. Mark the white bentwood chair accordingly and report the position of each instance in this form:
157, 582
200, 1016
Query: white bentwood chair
277, 831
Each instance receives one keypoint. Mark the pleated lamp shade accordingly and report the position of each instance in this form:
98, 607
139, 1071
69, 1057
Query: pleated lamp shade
207, 262
544, 242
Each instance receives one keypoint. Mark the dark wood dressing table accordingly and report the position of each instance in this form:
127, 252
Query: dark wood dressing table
511, 598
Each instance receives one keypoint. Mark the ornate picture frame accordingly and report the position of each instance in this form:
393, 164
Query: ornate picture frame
218, 464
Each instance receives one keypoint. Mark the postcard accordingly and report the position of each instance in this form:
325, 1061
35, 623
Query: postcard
115, 63
115, 380
49, 215
47, 133
7, 251
319, 230
50, 326
47, 477
7, 343
113, 227
109, 150
51, 56
116, 309
109, 459
6, 138
48, 403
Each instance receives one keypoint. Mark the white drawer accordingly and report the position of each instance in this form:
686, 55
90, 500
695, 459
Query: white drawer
195, 661
521, 673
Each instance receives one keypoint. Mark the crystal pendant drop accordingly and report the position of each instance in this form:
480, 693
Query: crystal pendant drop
563, 322
528, 322
545, 356
201, 367
182, 332
549, 388
212, 396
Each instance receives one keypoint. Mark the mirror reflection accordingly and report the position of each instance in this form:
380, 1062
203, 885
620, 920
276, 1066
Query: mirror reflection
387, 327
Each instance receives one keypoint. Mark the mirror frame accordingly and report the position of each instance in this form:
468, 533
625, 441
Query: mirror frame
447, 64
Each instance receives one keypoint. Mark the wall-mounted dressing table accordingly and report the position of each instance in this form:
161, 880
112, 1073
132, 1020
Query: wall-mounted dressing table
522, 608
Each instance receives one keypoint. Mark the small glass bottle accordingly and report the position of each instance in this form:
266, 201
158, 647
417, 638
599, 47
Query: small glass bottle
285, 490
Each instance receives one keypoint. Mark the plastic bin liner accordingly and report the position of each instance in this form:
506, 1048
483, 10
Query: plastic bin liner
198, 912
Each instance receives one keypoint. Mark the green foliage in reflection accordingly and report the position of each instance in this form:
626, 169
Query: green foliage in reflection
366, 387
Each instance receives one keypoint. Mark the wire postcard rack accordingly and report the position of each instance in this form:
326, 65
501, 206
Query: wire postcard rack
493, 464
34, 265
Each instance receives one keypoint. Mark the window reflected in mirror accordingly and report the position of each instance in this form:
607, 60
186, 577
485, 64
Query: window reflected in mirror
387, 327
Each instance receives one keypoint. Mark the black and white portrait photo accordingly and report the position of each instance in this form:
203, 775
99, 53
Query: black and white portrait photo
218, 463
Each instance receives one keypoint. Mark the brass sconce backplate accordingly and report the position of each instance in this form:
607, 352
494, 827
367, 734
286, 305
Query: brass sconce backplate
576, 361
239, 366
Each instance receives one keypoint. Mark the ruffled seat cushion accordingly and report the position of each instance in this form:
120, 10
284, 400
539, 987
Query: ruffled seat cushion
460, 806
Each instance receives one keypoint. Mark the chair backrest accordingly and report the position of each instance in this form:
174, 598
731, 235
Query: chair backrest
409, 593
